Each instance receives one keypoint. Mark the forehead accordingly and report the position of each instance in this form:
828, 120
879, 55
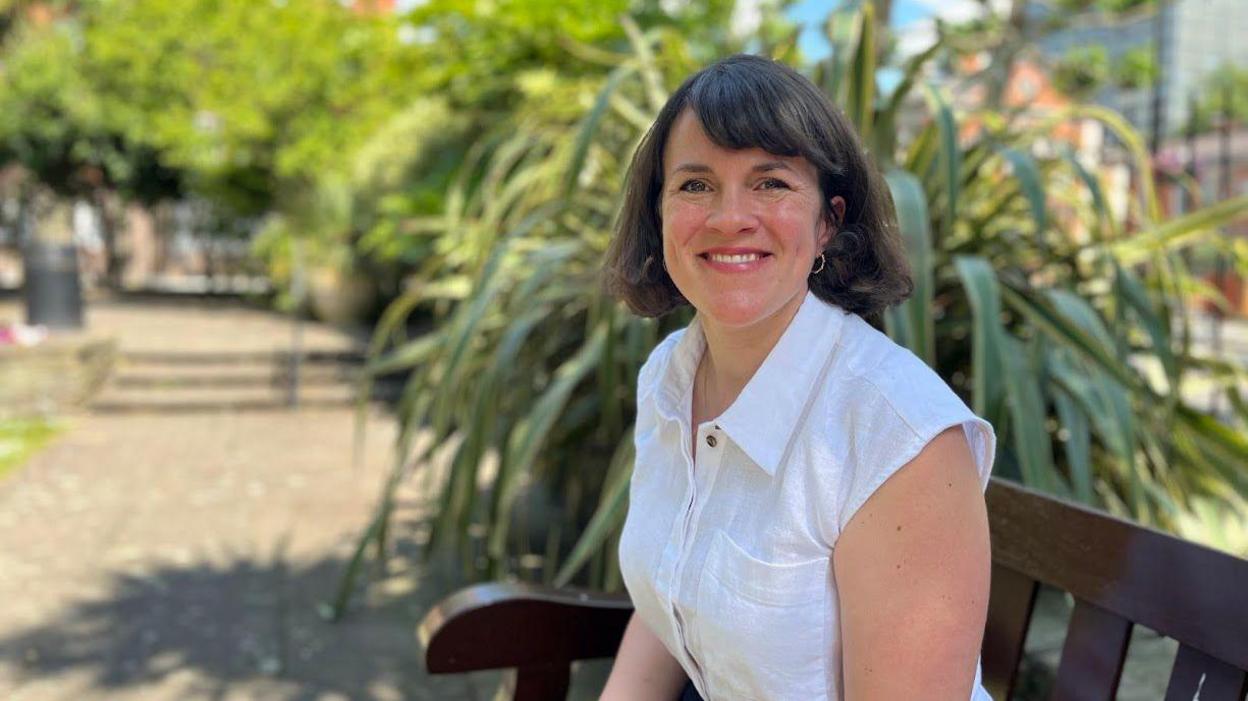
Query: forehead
688, 143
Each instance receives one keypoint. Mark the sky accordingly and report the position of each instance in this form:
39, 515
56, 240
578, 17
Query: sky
913, 21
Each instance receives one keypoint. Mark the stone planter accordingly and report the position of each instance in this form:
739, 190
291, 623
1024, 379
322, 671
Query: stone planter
61, 373
340, 298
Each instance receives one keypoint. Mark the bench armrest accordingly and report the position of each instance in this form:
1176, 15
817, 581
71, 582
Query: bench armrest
500, 625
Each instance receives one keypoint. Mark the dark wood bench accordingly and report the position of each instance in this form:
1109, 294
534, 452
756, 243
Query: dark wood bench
1119, 573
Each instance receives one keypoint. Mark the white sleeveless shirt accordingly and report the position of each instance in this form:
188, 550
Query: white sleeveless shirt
728, 560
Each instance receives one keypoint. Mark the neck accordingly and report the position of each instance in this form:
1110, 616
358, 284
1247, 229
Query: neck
734, 354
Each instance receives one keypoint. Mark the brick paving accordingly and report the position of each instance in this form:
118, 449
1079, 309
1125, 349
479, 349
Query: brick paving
155, 555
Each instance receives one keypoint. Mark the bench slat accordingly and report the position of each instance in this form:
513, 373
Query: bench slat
1092, 656
1199, 676
1011, 601
1180, 589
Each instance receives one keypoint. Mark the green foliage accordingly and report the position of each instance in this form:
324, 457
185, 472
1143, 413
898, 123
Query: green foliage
1110, 6
20, 438
480, 67
1120, 6
1136, 68
341, 128
255, 100
1082, 71
248, 105
1212, 101
488, 63
1031, 301
475, 50
56, 124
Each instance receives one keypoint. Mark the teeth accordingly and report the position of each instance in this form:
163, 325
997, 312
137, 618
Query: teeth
738, 258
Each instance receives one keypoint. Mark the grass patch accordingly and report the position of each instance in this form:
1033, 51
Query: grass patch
20, 438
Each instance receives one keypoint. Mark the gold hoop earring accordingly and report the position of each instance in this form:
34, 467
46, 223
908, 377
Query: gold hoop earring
823, 263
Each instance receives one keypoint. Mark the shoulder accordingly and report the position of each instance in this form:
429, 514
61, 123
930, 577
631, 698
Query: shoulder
878, 397
884, 408
887, 381
656, 364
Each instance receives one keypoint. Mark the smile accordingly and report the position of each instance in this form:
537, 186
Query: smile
734, 257
734, 261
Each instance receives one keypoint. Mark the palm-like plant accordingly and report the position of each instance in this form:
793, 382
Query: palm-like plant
1064, 311
1026, 283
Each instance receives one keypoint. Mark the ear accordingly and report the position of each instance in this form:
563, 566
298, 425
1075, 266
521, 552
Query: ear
829, 229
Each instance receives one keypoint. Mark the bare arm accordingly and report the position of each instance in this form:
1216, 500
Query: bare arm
643, 670
912, 568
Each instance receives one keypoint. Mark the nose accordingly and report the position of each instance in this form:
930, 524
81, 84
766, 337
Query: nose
732, 213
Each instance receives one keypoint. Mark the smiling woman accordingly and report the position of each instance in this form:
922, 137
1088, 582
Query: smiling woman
740, 228
806, 515
770, 116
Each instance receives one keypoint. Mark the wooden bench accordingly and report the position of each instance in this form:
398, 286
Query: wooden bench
1119, 573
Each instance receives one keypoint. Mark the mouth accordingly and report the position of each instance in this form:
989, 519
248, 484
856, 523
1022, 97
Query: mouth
734, 260
733, 257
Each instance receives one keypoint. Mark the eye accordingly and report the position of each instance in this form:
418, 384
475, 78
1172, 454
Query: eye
693, 186
773, 184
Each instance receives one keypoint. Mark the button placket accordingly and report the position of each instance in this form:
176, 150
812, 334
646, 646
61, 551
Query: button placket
695, 468
702, 473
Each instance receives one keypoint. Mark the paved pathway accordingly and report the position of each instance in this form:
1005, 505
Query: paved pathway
181, 556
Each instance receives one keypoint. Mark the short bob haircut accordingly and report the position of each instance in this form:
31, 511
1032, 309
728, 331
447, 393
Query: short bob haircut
752, 102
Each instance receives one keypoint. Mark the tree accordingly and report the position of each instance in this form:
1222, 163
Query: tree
1082, 71
1212, 103
53, 123
253, 100
247, 106
1136, 68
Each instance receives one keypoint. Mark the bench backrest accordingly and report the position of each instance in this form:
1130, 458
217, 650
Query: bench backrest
1119, 573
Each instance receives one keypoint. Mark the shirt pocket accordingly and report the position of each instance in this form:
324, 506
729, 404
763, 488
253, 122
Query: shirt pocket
762, 625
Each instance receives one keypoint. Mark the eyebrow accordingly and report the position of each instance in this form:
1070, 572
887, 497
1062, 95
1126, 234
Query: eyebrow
758, 167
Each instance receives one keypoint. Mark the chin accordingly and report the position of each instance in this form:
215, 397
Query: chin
740, 310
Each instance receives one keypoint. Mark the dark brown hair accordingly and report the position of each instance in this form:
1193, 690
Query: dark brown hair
753, 102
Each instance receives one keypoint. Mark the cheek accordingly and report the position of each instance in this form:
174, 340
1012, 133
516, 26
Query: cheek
681, 221
798, 226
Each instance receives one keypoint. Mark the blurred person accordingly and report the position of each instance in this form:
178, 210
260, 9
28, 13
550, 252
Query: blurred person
806, 516
92, 256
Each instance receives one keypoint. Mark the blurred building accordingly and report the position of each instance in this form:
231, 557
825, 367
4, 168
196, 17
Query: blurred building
1196, 37
1199, 169
1192, 170
1213, 161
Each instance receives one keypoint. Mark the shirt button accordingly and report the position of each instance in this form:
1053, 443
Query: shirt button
710, 440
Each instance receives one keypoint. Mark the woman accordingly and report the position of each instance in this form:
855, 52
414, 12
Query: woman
806, 516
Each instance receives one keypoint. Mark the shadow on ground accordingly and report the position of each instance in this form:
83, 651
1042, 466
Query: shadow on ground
238, 629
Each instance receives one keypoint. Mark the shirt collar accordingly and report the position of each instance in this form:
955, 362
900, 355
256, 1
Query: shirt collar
766, 414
